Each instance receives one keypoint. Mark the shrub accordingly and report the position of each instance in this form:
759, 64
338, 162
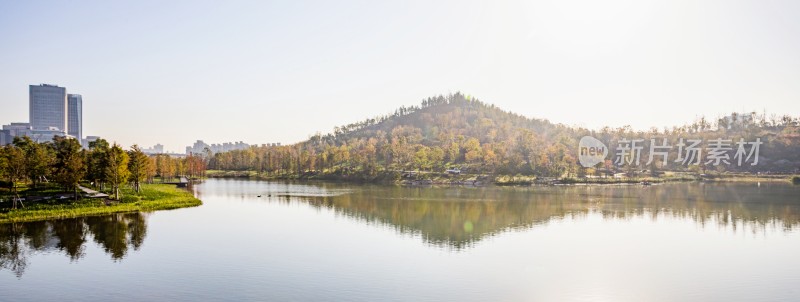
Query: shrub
130, 198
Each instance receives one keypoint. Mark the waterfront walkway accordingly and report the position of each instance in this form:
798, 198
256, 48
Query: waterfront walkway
181, 183
92, 193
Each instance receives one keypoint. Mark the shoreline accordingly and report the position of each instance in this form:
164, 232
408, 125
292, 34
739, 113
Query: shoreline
154, 197
498, 180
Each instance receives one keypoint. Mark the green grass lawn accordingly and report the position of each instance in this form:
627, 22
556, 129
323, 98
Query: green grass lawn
153, 197
26, 190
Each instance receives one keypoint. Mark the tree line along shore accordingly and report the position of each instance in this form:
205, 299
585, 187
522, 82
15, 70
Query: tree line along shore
452, 139
444, 178
457, 132
59, 179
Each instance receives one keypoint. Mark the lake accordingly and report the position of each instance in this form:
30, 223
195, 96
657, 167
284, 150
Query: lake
343, 242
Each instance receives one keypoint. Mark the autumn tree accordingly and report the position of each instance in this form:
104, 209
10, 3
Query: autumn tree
151, 169
178, 167
453, 152
3, 165
117, 169
164, 167
97, 159
436, 156
473, 150
138, 166
38, 159
195, 166
421, 158
13, 167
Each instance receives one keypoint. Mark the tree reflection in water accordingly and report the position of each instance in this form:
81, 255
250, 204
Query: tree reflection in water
116, 233
450, 217
458, 217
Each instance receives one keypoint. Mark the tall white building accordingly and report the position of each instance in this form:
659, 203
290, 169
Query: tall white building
48, 107
75, 115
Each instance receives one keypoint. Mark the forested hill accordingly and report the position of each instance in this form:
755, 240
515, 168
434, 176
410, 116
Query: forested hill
442, 119
458, 131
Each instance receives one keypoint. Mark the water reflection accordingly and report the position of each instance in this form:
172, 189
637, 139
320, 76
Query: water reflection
459, 217
450, 217
116, 234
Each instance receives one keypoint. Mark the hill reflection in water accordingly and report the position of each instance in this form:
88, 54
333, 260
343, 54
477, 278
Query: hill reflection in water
450, 217
457, 217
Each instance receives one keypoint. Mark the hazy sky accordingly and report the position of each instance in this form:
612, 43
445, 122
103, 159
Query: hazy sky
172, 72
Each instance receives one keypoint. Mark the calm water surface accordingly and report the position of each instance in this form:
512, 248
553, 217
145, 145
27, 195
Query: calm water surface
322, 241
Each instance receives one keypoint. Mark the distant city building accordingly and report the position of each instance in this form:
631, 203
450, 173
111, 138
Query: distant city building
157, 149
75, 115
48, 107
88, 140
41, 135
47, 135
52, 113
13, 130
199, 147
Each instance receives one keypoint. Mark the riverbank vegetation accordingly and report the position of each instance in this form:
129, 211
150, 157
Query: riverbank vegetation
151, 197
42, 180
459, 133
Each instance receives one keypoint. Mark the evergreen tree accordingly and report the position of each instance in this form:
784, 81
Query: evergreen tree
70, 166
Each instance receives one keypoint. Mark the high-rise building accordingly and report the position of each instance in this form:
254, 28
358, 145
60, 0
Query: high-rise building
75, 115
48, 107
